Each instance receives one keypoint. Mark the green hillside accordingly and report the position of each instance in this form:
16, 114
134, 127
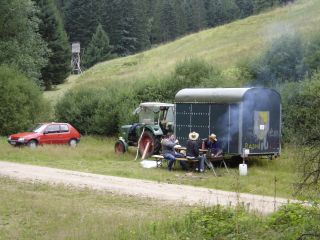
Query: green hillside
223, 46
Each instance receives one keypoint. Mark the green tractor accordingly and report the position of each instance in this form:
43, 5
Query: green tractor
155, 120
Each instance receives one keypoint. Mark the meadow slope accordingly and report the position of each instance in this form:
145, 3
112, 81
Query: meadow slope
222, 46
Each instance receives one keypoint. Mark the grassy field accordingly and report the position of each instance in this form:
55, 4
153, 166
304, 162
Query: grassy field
223, 46
95, 155
39, 211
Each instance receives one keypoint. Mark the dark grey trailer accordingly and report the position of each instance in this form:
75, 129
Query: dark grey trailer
242, 118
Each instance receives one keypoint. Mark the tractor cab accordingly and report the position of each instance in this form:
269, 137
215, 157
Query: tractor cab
160, 114
155, 120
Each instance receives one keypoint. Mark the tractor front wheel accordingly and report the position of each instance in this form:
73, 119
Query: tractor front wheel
150, 141
119, 147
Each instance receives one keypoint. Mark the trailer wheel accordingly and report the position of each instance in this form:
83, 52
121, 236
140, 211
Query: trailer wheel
154, 143
119, 147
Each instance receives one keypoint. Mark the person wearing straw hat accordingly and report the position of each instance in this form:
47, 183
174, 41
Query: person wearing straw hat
213, 146
193, 150
169, 153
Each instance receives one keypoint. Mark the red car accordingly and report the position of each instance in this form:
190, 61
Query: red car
47, 133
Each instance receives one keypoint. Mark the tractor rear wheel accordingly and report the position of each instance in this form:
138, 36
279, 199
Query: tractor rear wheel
119, 147
150, 141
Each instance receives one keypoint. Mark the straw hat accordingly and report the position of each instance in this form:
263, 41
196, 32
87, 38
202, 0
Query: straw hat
213, 137
193, 136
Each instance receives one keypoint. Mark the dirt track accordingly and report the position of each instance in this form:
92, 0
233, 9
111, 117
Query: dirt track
141, 188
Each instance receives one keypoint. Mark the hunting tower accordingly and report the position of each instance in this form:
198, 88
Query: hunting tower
76, 60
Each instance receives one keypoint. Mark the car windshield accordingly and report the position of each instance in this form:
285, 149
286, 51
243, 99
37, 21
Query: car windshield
38, 128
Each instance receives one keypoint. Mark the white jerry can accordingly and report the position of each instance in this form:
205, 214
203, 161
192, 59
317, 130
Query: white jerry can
243, 169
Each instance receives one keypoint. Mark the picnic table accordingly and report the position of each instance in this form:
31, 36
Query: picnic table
208, 160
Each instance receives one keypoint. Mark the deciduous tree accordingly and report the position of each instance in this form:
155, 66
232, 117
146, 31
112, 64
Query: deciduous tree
21, 45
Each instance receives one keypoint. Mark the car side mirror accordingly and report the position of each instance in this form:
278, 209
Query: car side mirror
45, 132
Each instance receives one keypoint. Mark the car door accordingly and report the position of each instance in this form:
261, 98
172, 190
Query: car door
51, 134
64, 136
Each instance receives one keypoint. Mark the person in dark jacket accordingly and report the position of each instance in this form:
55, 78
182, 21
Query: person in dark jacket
193, 150
169, 153
213, 146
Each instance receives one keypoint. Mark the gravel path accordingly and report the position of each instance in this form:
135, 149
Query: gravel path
141, 188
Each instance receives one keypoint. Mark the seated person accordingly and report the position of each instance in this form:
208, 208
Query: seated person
168, 144
213, 146
193, 150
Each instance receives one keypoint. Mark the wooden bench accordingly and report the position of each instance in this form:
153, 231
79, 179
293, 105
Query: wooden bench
159, 159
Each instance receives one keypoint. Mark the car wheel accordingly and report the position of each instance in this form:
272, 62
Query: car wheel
32, 144
119, 147
73, 143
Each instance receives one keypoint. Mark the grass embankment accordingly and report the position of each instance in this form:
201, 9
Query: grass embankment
223, 46
40, 211
96, 155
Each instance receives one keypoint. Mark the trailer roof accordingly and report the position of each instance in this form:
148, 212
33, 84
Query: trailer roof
210, 95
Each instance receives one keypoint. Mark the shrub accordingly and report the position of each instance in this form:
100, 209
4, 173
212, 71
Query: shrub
294, 220
21, 102
302, 127
95, 111
78, 107
281, 62
290, 222
312, 56
303, 102
103, 111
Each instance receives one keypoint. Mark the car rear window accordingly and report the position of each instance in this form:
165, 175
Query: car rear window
64, 128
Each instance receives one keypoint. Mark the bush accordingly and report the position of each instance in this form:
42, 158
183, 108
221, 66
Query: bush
103, 111
21, 102
312, 56
283, 61
302, 101
294, 220
290, 222
95, 111
78, 107
188, 74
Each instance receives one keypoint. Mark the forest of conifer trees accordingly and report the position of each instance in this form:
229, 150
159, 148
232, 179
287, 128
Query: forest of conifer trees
38, 43
133, 26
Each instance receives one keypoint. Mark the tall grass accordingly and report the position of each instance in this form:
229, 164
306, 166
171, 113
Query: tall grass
40, 211
96, 155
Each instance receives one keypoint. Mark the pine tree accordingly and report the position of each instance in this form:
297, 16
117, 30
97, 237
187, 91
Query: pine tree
221, 11
98, 49
131, 29
81, 20
181, 7
52, 31
196, 15
214, 12
260, 5
168, 22
245, 7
